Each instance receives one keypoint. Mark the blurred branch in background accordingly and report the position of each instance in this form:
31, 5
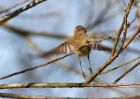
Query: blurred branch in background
100, 18
105, 15
11, 95
26, 33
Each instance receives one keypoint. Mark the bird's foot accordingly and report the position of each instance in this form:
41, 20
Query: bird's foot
90, 70
84, 75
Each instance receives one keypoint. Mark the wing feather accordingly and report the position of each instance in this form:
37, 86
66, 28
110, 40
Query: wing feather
96, 45
64, 48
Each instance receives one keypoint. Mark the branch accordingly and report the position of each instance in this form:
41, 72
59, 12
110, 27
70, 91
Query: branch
122, 26
13, 6
117, 67
125, 73
20, 10
67, 85
33, 68
108, 62
94, 75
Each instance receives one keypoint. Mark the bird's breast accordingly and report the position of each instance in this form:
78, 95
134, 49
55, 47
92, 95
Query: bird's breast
83, 51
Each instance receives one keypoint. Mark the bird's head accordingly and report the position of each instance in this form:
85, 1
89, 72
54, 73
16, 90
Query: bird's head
80, 31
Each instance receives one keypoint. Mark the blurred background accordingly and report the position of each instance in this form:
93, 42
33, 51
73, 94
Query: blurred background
50, 23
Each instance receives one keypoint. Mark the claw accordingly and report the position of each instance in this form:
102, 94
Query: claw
84, 75
90, 70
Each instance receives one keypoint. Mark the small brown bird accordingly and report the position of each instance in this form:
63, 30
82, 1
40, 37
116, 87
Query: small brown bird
80, 44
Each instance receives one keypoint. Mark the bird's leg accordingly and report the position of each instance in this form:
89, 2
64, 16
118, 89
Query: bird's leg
83, 74
90, 69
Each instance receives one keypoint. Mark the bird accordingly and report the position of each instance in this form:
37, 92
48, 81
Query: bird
80, 45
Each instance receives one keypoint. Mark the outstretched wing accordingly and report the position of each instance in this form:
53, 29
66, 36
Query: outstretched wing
98, 46
64, 48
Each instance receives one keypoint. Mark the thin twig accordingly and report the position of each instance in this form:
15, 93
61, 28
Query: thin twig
122, 26
20, 10
13, 6
117, 67
125, 73
32, 68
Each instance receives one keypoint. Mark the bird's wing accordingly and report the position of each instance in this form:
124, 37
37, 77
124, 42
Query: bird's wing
98, 46
64, 48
